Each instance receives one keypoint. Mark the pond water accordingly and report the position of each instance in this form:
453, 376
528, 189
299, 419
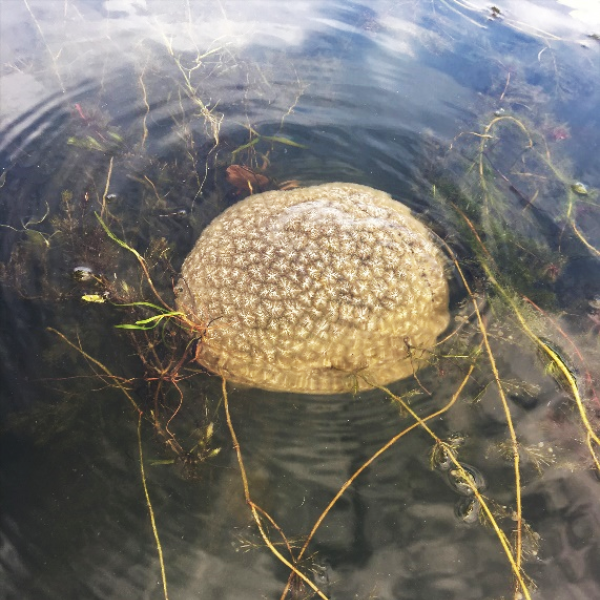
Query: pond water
120, 123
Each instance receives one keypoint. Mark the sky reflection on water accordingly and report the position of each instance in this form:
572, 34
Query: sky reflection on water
392, 95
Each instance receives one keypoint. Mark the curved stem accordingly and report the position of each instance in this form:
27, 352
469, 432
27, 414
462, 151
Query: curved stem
370, 461
253, 507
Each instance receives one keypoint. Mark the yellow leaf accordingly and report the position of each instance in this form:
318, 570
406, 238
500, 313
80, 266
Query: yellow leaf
93, 298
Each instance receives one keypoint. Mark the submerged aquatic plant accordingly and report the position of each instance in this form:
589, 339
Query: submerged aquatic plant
211, 308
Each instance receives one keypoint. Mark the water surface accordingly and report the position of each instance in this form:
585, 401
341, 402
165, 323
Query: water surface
483, 121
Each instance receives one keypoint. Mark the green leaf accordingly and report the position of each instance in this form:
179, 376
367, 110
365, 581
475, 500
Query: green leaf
147, 304
282, 140
115, 136
246, 146
114, 238
135, 327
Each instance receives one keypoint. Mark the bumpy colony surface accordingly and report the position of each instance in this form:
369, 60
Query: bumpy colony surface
319, 290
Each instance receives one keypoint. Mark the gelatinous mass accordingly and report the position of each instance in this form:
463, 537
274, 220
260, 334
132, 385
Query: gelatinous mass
321, 290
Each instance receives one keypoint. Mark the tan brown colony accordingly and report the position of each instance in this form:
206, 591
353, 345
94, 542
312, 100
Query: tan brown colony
315, 288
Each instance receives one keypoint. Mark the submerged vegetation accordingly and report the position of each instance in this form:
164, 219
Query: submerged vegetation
513, 221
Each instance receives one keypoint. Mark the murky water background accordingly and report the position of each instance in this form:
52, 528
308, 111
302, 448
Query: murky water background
135, 109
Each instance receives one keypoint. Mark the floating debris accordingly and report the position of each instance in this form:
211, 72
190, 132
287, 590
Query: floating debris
495, 12
459, 483
467, 510
94, 298
244, 179
83, 274
180, 213
580, 188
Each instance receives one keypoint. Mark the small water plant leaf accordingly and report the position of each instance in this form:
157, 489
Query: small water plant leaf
158, 318
150, 322
245, 146
114, 238
88, 143
148, 305
134, 327
115, 136
93, 298
282, 140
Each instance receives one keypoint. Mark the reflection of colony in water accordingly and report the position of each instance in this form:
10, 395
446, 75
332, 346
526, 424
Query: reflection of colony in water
314, 286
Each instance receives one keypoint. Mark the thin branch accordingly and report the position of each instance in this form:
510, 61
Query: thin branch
151, 511
253, 507
370, 461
